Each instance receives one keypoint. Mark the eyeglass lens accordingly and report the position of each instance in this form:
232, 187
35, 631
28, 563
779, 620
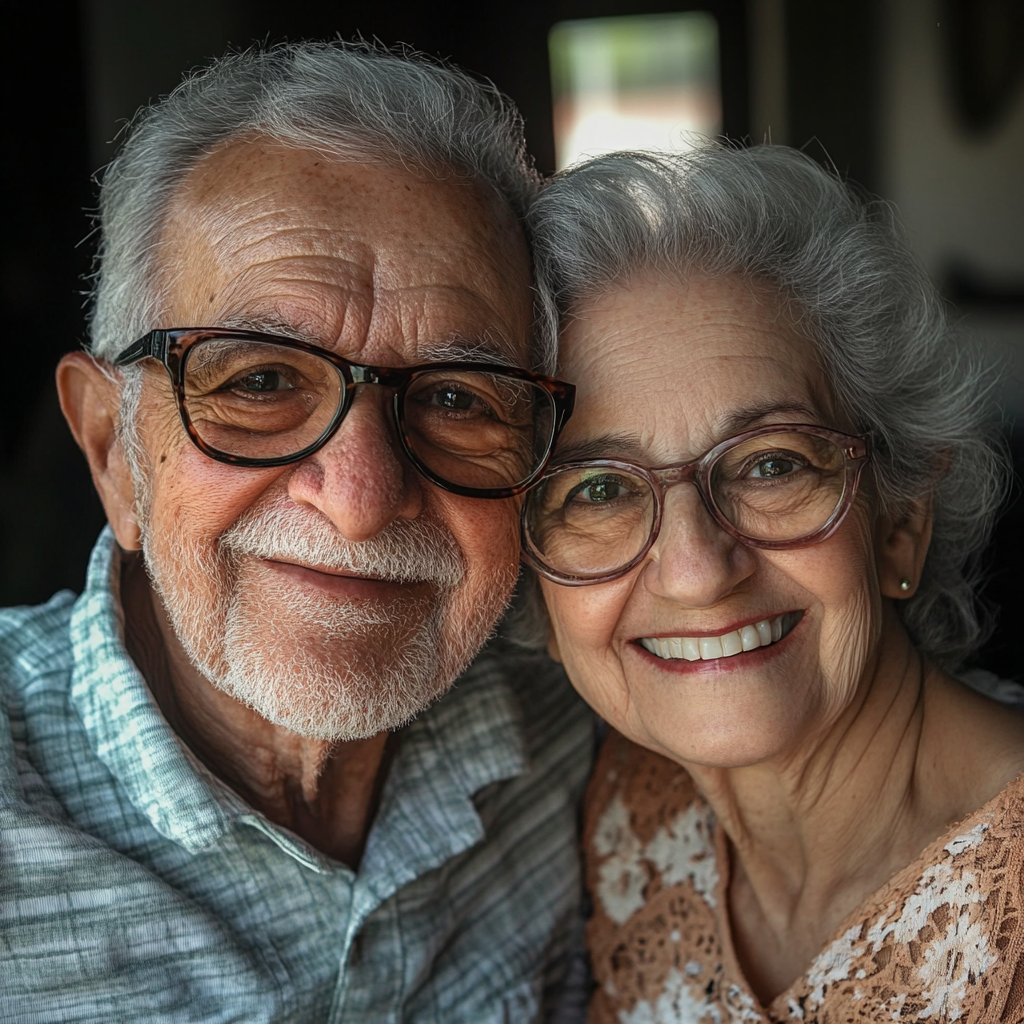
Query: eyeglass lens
590, 521
258, 400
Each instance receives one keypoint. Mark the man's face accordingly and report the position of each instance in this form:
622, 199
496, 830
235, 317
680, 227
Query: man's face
338, 595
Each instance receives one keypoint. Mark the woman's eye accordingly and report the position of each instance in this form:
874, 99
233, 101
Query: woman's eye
599, 491
769, 469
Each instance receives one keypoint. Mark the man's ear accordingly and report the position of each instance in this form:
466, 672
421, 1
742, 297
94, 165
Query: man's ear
902, 545
91, 401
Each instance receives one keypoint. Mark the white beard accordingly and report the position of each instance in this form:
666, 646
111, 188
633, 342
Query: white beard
322, 666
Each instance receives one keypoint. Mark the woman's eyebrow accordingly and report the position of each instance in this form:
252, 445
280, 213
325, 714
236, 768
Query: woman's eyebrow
630, 447
738, 420
605, 446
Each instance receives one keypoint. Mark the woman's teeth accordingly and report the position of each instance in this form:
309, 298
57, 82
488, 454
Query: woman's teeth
707, 648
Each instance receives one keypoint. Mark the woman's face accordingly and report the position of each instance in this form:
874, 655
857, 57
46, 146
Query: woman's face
665, 370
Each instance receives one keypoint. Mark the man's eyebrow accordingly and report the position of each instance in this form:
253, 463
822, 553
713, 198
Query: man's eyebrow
605, 446
453, 349
459, 349
268, 325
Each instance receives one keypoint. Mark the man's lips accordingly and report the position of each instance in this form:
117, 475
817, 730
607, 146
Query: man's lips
343, 584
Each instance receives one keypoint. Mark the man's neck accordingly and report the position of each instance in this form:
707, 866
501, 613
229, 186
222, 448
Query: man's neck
327, 793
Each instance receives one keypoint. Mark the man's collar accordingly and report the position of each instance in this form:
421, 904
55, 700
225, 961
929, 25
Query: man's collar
470, 739
126, 728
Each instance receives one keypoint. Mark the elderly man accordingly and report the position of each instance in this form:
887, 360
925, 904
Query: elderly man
308, 414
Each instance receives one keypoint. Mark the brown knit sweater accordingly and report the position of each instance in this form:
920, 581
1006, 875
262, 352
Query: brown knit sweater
940, 941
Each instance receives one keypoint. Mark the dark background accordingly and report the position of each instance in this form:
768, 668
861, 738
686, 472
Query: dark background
917, 100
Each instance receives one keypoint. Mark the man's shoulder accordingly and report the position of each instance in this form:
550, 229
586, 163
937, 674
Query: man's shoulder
35, 663
35, 640
35, 672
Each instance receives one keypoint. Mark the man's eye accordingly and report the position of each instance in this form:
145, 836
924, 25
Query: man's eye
262, 381
451, 398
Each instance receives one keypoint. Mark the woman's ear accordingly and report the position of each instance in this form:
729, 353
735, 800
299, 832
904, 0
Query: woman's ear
901, 546
91, 401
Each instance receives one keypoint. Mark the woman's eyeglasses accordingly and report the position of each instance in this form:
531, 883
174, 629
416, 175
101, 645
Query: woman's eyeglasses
249, 399
782, 486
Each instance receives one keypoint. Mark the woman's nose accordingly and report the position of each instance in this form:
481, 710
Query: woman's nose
361, 479
694, 561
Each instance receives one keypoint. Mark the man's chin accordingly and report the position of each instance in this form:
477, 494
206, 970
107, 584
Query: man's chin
368, 671
339, 721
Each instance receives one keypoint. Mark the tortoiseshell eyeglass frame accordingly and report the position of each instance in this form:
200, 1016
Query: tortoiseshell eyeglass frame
172, 346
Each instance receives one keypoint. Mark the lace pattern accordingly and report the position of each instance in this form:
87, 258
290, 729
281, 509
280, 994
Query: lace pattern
941, 941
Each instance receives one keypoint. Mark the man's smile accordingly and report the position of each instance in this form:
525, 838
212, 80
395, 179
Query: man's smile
345, 584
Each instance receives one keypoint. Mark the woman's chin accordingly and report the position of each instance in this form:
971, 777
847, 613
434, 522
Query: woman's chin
715, 740
729, 713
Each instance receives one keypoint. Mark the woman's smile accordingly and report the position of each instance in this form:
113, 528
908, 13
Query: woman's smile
752, 636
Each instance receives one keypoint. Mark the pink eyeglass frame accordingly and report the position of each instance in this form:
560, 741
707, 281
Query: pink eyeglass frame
856, 449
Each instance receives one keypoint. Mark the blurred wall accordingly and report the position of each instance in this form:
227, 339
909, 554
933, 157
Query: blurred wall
957, 176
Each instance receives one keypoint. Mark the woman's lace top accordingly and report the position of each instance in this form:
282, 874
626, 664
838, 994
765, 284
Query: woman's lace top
941, 941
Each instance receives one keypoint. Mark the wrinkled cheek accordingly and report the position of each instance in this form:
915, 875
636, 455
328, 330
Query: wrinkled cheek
487, 534
472, 611
195, 586
848, 639
587, 652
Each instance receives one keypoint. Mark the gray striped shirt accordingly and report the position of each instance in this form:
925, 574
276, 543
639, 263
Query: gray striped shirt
135, 886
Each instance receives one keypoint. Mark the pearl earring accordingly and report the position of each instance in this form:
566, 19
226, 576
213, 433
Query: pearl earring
904, 585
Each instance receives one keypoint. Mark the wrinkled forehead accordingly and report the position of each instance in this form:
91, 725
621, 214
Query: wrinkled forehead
374, 260
672, 366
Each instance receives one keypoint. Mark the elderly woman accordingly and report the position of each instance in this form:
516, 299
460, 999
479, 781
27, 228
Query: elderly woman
756, 550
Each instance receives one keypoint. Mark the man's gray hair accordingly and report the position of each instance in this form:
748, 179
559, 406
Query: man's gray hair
344, 100
847, 277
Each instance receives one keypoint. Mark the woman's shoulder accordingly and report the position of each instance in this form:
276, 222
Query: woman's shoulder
645, 829
972, 743
942, 940
653, 788
651, 854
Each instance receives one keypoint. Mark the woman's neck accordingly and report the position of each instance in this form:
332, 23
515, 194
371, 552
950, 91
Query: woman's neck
813, 835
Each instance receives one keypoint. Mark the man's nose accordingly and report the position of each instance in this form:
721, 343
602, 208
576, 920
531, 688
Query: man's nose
694, 561
361, 479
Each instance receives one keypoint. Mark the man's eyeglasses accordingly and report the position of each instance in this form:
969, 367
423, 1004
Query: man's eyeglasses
782, 486
477, 429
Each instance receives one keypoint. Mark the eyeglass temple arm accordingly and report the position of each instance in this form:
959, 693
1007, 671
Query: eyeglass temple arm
568, 403
153, 344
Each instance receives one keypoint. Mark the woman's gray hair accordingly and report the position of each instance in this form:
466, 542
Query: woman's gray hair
847, 277
341, 99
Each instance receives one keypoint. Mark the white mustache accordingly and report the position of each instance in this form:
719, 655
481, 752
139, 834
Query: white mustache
405, 551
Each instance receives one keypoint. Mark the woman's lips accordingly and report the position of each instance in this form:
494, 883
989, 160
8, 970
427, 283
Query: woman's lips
750, 637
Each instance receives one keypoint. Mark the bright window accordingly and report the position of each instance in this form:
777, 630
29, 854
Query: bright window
638, 82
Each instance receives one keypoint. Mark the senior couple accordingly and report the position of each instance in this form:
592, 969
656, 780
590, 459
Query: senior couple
259, 770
